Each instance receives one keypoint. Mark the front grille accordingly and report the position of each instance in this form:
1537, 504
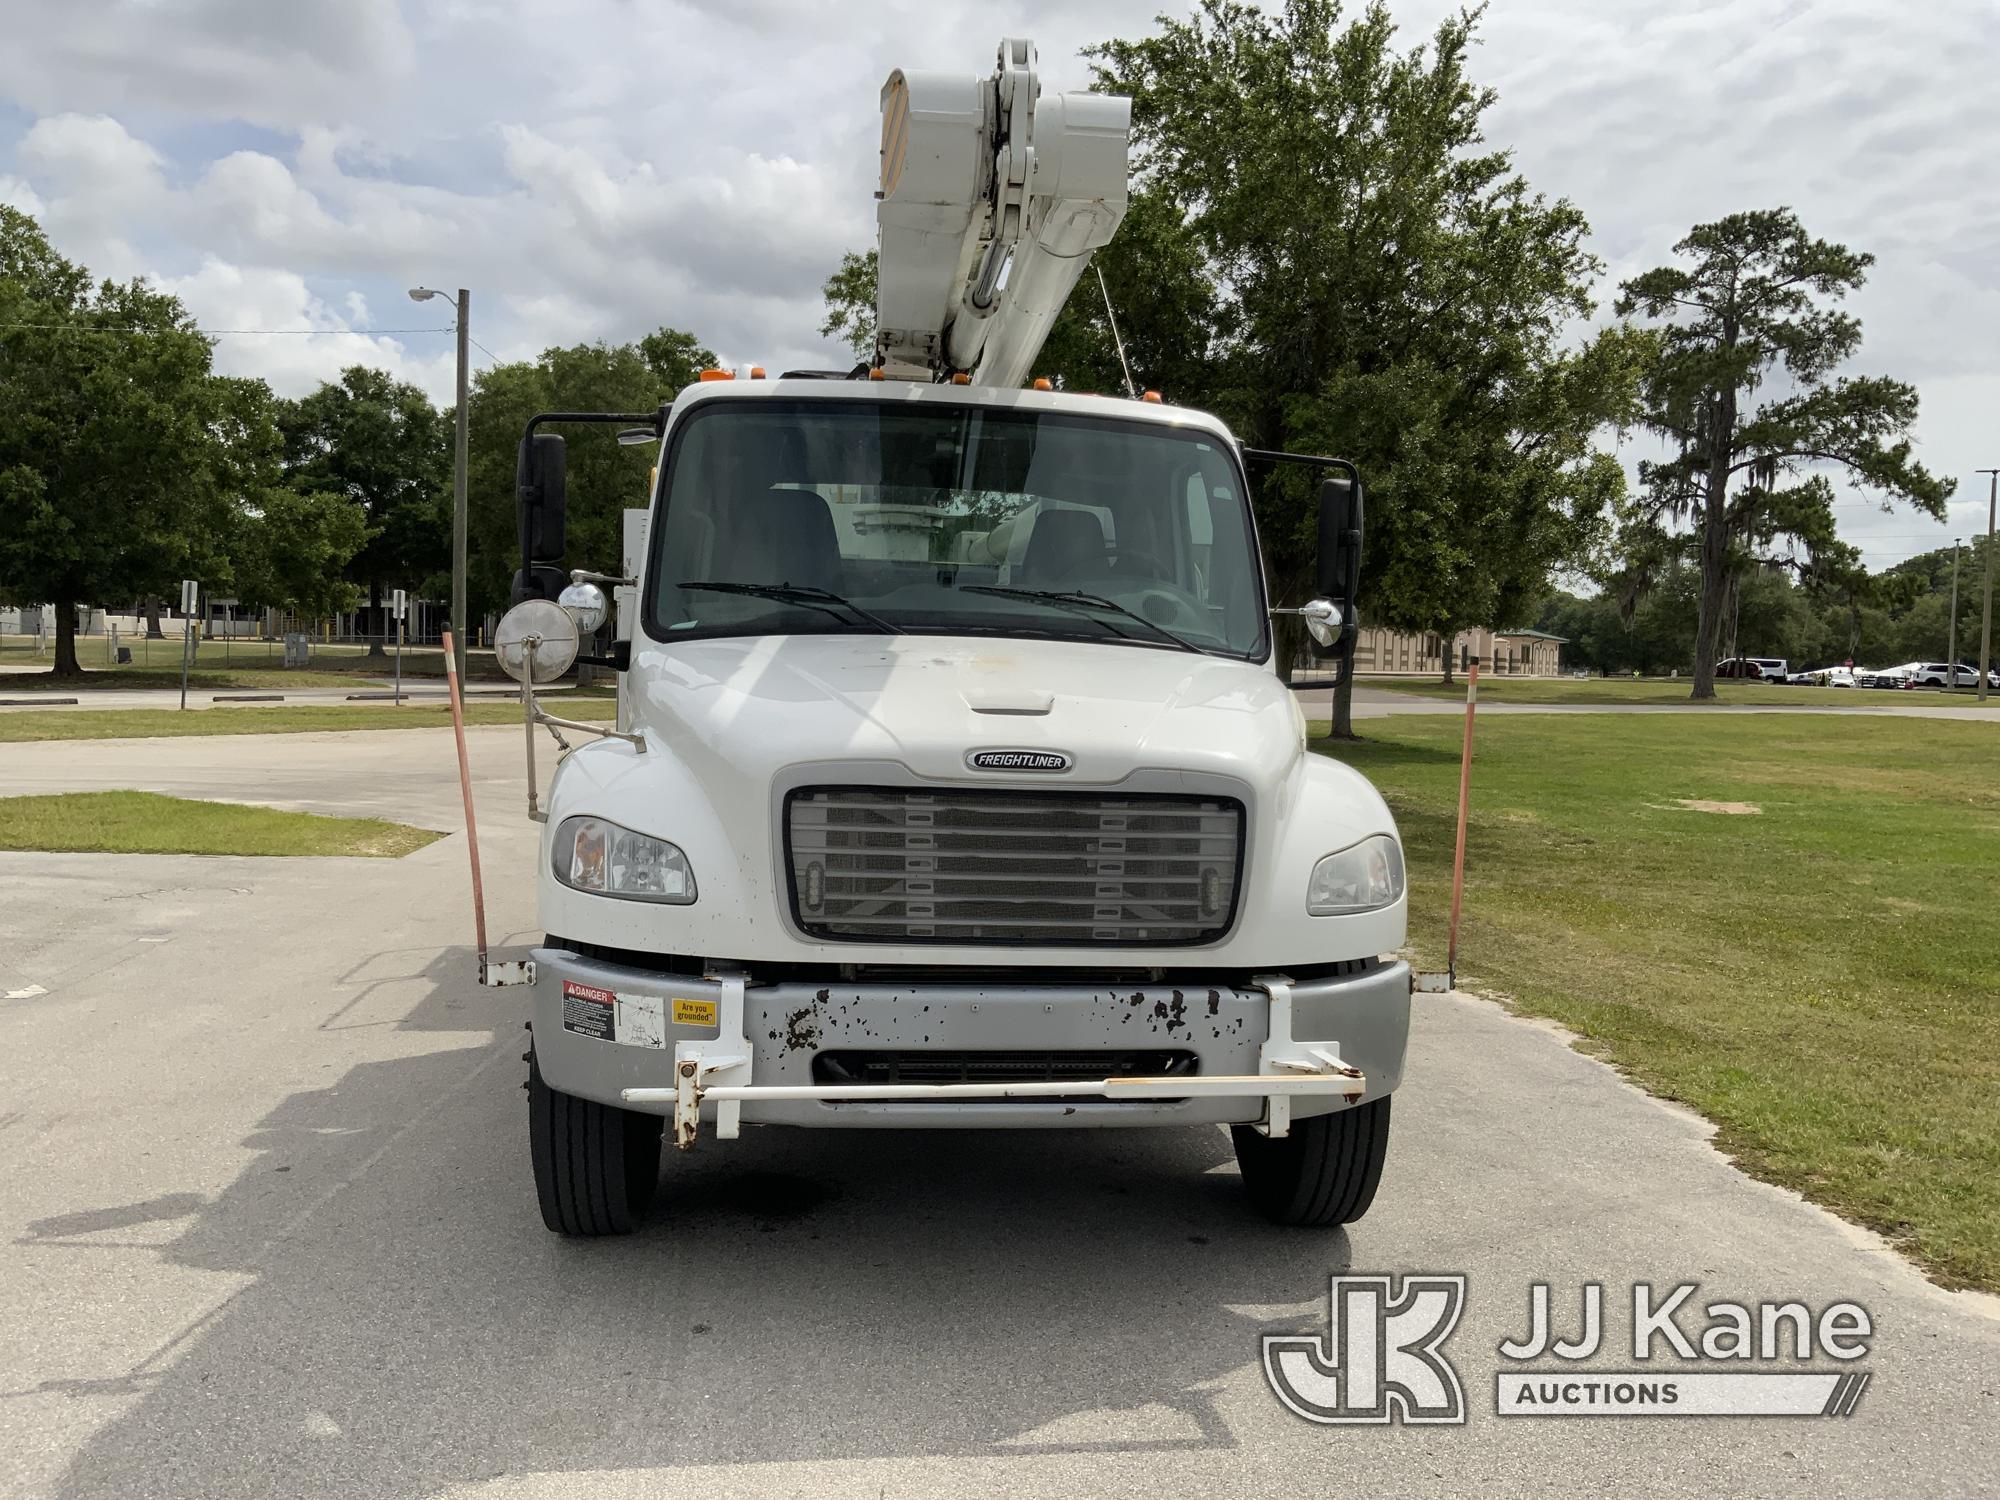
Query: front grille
1000, 1067
887, 865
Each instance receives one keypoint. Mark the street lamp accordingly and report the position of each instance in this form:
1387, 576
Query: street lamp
1986, 610
464, 304
1951, 650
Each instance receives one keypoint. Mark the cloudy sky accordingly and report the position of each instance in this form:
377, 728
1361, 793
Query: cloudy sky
595, 168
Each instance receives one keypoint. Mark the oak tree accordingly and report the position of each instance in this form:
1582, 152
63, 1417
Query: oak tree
107, 439
1746, 392
378, 444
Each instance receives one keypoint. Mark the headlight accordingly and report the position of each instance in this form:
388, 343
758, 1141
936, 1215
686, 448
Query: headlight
1362, 878
606, 860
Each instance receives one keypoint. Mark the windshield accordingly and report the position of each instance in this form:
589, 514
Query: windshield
866, 516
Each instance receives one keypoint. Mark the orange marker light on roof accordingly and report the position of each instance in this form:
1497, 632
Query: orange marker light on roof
718, 374
878, 373
961, 378
1152, 396
756, 372
1043, 383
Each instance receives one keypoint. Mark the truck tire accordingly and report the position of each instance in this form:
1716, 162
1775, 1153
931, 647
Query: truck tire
1324, 1173
596, 1166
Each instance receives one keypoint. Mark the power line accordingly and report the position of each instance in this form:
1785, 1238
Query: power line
163, 332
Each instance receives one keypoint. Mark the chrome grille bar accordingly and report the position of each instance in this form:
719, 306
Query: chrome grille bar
977, 865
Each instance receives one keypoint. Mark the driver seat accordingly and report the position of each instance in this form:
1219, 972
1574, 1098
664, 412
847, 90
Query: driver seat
781, 536
1064, 547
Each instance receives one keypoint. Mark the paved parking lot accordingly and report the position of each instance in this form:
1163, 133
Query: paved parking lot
266, 1227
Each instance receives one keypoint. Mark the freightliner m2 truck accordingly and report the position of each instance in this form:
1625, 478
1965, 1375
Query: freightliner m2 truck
953, 784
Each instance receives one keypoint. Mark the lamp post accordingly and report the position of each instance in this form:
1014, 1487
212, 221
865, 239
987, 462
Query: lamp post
1951, 650
1986, 611
464, 308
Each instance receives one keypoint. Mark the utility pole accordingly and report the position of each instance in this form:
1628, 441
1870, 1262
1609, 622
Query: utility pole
458, 496
1951, 649
1986, 611
458, 468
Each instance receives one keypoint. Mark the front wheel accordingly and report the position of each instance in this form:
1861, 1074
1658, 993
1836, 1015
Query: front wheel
1324, 1172
596, 1165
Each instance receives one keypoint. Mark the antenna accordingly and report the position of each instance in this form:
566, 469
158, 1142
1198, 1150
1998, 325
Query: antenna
1123, 364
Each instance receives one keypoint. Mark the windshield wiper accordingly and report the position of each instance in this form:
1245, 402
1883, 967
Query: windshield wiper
1083, 601
798, 593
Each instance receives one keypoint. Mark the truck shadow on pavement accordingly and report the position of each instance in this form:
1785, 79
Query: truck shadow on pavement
797, 1295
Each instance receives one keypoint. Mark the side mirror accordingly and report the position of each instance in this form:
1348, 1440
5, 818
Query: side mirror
541, 498
1340, 541
535, 642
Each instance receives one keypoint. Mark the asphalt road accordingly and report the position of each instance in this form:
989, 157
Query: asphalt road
266, 1227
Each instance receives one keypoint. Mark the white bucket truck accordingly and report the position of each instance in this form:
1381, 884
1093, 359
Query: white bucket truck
954, 785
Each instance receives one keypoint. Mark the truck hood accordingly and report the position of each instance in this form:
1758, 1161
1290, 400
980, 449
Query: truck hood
749, 707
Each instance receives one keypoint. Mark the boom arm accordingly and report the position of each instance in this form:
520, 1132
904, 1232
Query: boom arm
993, 200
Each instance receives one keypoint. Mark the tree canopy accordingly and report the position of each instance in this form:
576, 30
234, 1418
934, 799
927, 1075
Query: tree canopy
1389, 288
112, 477
1747, 309
604, 479
378, 444
286, 550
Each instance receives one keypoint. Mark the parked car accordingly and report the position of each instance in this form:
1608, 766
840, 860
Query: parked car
1740, 666
1943, 674
1885, 677
1837, 676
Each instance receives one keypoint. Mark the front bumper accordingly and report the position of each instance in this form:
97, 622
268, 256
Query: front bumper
626, 1036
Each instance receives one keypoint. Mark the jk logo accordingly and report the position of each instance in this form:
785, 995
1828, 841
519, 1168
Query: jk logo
1380, 1360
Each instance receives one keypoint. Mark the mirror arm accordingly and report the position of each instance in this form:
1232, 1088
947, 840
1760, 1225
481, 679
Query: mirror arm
637, 741
528, 712
532, 713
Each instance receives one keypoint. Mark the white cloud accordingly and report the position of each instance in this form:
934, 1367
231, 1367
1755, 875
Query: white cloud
275, 62
267, 310
16, 194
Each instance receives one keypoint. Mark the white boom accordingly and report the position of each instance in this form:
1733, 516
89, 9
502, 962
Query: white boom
993, 200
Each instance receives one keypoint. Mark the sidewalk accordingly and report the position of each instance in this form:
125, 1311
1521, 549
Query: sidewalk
430, 691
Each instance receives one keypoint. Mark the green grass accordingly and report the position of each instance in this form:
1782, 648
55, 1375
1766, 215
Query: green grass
148, 823
150, 723
1821, 979
1624, 690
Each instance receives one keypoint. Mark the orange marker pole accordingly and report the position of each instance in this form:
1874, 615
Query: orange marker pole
1464, 796
471, 824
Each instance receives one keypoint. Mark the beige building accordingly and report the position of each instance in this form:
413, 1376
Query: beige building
1505, 653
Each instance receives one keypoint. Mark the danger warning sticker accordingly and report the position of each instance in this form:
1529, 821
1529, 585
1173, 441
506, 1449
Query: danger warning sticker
610, 1016
590, 1012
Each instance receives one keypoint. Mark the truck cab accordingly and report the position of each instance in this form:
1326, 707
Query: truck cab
956, 787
